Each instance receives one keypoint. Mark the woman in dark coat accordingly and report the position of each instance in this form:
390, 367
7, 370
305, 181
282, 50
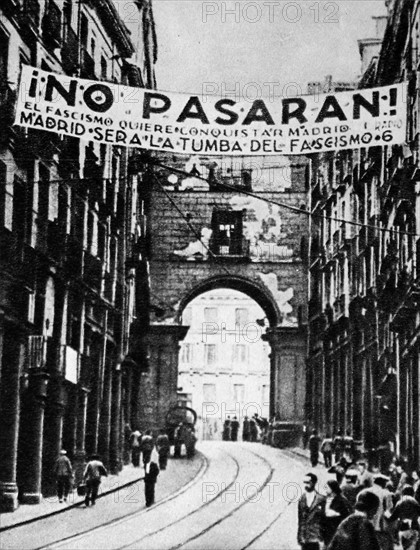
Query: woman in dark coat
337, 508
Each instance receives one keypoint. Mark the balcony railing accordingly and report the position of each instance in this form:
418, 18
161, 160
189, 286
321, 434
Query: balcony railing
37, 352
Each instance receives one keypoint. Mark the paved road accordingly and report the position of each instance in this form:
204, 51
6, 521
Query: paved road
244, 497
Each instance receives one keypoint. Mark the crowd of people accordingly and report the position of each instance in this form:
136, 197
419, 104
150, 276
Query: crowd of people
253, 428
360, 508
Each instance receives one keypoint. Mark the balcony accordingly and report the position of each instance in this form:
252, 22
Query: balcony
51, 26
70, 51
37, 352
87, 65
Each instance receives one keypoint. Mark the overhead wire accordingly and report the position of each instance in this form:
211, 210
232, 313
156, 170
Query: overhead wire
290, 207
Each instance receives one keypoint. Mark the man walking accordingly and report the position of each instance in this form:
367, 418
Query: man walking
326, 450
163, 449
92, 476
150, 476
146, 446
314, 448
64, 474
311, 511
135, 448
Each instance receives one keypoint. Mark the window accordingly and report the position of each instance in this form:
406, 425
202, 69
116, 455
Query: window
210, 354
241, 316
265, 394
43, 204
104, 68
240, 355
209, 393
210, 314
93, 233
84, 30
187, 353
227, 239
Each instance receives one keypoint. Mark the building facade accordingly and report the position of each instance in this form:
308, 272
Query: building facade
364, 364
73, 283
224, 364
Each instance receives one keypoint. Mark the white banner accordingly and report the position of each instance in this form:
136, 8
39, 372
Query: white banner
193, 124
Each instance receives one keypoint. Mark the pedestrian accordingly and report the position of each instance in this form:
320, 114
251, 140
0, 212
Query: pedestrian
226, 429
383, 512
92, 475
364, 477
402, 477
245, 429
253, 430
338, 446
146, 446
349, 449
337, 508
407, 512
135, 438
178, 440
190, 441
234, 428
356, 532
305, 436
326, 450
311, 509
150, 477
314, 441
127, 442
64, 475
163, 449
349, 488
415, 476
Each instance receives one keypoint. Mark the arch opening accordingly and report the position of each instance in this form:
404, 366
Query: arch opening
224, 362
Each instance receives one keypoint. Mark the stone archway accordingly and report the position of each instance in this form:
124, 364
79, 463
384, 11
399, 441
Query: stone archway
287, 356
251, 288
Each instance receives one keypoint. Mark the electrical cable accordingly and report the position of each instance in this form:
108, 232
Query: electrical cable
288, 206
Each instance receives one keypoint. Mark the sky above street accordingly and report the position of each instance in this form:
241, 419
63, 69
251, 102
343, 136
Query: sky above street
259, 47
256, 48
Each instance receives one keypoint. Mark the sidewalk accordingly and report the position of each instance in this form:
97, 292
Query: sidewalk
128, 476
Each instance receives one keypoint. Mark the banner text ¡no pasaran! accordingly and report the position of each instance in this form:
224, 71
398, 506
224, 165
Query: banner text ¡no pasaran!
182, 123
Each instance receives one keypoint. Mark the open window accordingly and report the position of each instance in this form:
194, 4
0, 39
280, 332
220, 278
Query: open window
227, 237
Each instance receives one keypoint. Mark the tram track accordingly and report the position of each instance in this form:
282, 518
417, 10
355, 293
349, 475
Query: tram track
133, 516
